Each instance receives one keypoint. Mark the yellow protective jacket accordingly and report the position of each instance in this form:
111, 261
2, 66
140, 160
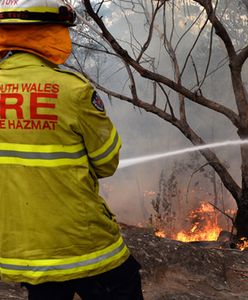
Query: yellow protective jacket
55, 142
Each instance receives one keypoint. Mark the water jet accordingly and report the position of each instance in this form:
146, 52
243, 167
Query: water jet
124, 163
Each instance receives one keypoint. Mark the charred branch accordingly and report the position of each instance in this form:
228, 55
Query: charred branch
221, 211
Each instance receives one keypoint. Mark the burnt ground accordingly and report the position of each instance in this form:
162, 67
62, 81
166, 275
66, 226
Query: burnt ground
173, 270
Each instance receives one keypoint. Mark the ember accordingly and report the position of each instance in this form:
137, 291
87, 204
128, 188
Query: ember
149, 193
242, 244
160, 233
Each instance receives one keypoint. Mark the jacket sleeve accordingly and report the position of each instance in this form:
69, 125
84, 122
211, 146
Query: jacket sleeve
101, 138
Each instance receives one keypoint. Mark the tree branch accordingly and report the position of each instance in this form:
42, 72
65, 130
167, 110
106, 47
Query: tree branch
157, 77
219, 27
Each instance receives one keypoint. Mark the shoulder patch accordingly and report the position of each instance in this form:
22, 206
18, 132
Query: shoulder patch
97, 101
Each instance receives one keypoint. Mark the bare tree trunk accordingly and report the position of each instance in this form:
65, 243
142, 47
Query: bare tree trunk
241, 220
238, 117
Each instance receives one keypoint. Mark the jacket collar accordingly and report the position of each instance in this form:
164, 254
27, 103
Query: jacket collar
24, 59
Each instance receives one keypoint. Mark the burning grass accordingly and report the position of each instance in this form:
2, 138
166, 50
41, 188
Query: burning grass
203, 226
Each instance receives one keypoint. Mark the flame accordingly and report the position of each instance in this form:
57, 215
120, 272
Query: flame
242, 243
160, 233
210, 234
204, 225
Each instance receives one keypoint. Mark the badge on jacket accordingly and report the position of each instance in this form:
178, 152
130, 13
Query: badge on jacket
97, 102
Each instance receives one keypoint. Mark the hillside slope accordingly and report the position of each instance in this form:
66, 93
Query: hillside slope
173, 270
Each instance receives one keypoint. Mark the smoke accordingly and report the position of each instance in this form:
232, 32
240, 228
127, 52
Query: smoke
142, 133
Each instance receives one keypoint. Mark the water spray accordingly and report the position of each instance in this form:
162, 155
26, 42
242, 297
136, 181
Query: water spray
124, 163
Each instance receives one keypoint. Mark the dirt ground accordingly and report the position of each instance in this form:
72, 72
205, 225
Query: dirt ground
173, 270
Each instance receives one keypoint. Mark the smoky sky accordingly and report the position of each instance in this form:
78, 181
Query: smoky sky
143, 133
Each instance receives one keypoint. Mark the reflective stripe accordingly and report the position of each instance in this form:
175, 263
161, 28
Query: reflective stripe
108, 150
42, 155
65, 266
85, 262
32, 9
32, 155
36, 9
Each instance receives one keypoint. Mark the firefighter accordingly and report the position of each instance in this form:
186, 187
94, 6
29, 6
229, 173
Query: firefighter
57, 234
